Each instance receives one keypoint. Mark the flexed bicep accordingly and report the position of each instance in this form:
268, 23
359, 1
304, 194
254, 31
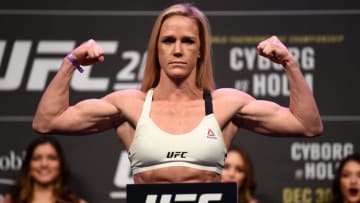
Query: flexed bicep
302, 117
54, 113
269, 118
86, 117
91, 116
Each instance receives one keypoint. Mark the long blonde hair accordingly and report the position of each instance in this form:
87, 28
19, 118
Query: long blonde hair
204, 75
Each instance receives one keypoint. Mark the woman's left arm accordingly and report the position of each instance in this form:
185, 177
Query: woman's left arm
301, 117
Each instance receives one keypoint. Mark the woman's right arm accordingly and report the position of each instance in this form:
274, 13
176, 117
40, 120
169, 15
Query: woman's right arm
55, 115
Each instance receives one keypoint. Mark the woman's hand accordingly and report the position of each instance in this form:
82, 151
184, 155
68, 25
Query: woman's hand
273, 49
88, 53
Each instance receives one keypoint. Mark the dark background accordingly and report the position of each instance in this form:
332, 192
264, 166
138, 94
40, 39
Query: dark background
285, 172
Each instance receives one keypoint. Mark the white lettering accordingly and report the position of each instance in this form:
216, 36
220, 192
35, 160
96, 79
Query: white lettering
83, 81
308, 58
263, 63
274, 84
319, 171
259, 84
348, 149
250, 55
204, 198
12, 161
326, 152
241, 58
185, 197
127, 73
151, 199
295, 52
320, 151
123, 171
295, 152
236, 64
16, 66
166, 198
142, 67
40, 72
42, 67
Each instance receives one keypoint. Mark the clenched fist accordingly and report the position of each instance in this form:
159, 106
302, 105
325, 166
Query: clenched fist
273, 49
88, 53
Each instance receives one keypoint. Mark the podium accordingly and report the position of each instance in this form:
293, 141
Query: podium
182, 192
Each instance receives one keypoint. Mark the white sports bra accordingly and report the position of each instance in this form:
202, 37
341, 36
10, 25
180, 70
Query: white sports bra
202, 148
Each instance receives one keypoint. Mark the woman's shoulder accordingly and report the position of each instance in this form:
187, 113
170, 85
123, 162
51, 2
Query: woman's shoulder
127, 93
128, 96
229, 91
231, 94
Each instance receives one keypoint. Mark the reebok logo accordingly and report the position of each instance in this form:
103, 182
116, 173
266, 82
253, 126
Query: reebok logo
211, 134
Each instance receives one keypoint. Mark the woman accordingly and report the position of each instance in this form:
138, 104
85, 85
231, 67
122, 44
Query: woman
346, 185
177, 127
238, 168
44, 175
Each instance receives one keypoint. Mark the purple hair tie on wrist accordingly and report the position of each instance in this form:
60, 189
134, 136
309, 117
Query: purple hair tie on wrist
71, 57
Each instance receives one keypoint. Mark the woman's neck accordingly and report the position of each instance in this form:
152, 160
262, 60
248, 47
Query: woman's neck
177, 93
177, 89
43, 194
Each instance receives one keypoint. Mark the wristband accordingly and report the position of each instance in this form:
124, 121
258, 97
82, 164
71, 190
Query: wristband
75, 63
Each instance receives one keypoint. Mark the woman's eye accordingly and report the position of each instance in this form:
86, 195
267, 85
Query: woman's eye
35, 158
345, 175
168, 40
52, 157
240, 169
188, 41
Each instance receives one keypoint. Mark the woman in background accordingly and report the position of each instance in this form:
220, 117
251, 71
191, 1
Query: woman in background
346, 185
44, 176
238, 168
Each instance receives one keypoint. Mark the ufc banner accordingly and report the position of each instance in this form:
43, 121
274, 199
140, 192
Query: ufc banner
187, 192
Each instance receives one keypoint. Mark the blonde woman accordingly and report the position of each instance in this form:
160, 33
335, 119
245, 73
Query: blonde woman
177, 109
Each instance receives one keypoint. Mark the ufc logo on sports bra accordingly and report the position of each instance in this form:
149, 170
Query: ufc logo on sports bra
203, 198
176, 154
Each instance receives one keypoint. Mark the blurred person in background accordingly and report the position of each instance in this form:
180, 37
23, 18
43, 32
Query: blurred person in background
44, 176
346, 184
238, 168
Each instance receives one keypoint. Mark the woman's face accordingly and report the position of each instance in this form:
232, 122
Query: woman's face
234, 169
350, 182
178, 46
44, 164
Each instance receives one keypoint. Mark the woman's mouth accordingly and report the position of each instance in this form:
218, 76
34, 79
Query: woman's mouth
353, 191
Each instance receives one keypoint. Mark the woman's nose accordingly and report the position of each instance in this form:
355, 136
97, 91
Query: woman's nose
178, 49
44, 162
231, 173
354, 180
